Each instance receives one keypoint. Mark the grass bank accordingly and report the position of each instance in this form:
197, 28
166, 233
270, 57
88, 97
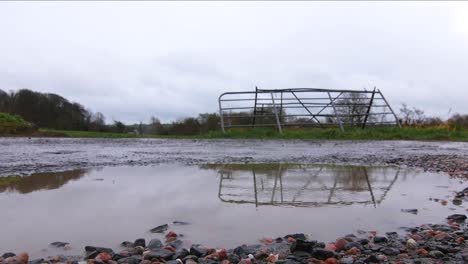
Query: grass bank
13, 125
376, 133
381, 133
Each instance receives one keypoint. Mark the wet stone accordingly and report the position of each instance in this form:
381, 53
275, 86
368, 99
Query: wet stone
280, 248
411, 211
457, 217
36, 261
130, 260
244, 250
198, 251
175, 244
302, 254
380, 239
261, 255
363, 241
59, 244
464, 256
207, 261
8, 255
347, 260
436, 254
139, 242
390, 251
126, 244
136, 250
192, 257
353, 244
372, 259
322, 254
159, 254
180, 223
160, 229
116, 257
446, 249
305, 246
181, 254
287, 261
190, 261
155, 244
98, 249
233, 258
91, 254
299, 236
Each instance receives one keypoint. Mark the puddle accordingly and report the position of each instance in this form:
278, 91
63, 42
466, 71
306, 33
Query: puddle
225, 205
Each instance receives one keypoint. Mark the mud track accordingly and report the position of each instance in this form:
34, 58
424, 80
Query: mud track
22, 156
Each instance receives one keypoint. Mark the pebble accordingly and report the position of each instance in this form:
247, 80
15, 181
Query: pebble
171, 234
140, 242
160, 229
411, 244
430, 243
436, 254
379, 239
155, 243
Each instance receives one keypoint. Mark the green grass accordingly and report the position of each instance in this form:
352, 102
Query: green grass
94, 134
13, 124
381, 133
377, 133
88, 134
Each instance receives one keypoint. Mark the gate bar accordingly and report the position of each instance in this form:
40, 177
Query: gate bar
368, 109
336, 114
393, 112
276, 114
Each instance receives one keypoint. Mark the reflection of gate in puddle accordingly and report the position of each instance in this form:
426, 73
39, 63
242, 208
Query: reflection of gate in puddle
304, 185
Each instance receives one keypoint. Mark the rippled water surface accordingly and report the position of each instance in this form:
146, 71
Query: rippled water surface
225, 205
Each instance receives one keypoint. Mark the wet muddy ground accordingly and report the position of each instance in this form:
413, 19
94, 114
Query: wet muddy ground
25, 156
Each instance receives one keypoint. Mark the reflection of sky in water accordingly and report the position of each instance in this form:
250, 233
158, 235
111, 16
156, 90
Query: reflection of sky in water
106, 206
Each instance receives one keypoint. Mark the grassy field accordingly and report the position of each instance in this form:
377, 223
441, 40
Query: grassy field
382, 133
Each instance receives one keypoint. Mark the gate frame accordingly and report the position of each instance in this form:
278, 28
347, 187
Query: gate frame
375, 94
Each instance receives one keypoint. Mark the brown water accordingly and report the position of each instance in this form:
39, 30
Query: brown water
226, 205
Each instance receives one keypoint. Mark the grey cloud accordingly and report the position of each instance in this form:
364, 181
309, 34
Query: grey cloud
134, 60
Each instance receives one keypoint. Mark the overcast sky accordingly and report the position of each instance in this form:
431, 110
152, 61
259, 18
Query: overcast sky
131, 60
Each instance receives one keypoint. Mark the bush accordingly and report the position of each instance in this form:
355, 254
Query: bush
458, 122
13, 124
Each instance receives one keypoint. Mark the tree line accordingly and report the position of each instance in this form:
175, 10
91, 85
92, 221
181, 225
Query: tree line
47, 110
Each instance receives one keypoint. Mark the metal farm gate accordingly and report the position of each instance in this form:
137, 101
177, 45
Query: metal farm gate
305, 107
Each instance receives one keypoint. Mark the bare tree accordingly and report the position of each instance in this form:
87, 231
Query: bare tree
411, 117
155, 126
353, 108
98, 121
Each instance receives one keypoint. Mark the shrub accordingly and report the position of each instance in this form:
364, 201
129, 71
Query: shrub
13, 124
458, 122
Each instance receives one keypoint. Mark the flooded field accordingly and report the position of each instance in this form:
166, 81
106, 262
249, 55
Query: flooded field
223, 204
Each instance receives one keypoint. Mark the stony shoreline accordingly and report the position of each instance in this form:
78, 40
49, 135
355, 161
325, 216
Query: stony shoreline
454, 166
428, 243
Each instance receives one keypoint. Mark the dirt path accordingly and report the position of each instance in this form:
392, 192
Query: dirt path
26, 156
